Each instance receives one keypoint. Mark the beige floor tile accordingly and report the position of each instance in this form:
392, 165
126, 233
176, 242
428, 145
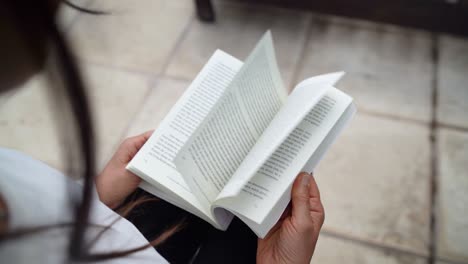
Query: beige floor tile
116, 97
453, 81
161, 99
375, 183
443, 261
136, 35
29, 122
387, 72
448, 262
452, 224
331, 250
372, 25
236, 31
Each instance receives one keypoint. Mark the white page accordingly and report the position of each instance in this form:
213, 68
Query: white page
277, 210
221, 143
264, 190
154, 163
299, 103
331, 137
262, 229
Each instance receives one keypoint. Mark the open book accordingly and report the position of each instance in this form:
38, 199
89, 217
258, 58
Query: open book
234, 142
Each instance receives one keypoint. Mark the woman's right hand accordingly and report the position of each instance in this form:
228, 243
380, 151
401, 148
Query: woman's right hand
293, 238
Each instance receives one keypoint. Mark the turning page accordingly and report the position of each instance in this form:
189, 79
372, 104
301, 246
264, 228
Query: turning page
265, 195
154, 163
220, 144
299, 103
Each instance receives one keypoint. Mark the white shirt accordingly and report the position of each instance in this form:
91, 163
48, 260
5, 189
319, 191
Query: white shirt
37, 195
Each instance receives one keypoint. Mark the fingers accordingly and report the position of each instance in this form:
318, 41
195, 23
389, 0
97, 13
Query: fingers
139, 140
300, 198
131, 145
316, 208
313, 188
146, 135
307, 209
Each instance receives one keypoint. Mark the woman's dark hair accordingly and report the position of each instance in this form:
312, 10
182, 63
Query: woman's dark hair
35, 21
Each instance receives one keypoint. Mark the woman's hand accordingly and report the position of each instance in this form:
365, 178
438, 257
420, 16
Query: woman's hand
115, 183
293, 238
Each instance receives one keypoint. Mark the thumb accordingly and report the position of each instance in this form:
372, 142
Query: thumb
300, 198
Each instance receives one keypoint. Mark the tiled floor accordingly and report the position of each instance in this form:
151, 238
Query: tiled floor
376, 180
388, 72
402, 162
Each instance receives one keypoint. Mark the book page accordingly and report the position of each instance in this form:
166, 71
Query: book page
264, 190
222, 142
299, 103
262, 229
154, 163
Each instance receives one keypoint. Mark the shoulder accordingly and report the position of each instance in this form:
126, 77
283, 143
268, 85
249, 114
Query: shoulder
37, 194
22, 169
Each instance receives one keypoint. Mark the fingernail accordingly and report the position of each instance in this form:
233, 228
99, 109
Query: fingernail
305, 179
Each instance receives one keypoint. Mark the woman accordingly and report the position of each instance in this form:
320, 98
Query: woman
46, 217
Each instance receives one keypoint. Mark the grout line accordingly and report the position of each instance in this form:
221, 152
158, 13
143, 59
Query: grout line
370, 25
143, 73
434, 152
429, 123
177, 78
300, 63
153, 79
452, 127
180, 39
133, 70
451, 261
393, 117
372, 243
125, 69
151, 83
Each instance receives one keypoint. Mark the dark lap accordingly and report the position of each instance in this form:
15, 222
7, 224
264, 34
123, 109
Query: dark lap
197, 241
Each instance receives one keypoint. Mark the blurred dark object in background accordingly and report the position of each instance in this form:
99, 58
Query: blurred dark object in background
205, 10
449, 16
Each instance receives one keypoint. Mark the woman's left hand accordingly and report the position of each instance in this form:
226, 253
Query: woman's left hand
115, 183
